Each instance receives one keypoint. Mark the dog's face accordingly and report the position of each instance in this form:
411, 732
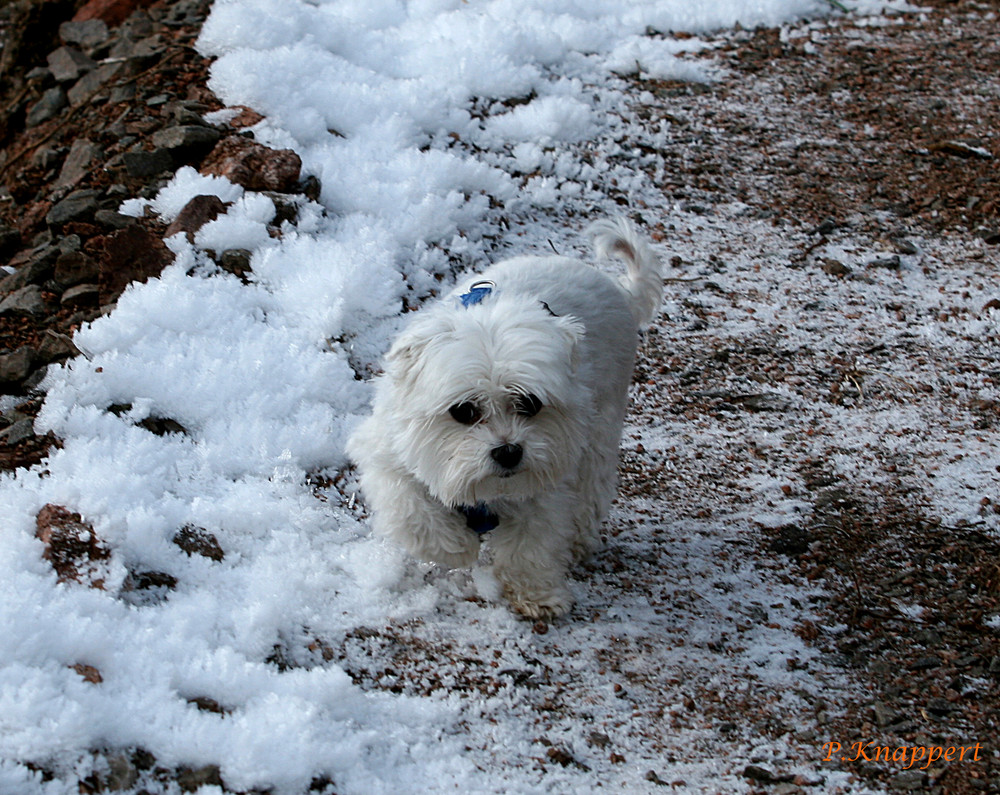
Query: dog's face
482, 399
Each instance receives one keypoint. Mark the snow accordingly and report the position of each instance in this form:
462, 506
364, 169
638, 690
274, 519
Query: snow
420, 119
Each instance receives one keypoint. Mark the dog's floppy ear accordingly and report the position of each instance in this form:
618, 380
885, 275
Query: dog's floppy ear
407, 352
404, 354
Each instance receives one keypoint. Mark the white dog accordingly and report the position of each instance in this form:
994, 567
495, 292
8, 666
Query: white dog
500, 412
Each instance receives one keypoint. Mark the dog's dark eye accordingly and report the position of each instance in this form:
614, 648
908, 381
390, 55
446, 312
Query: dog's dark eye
527, 405
465, 413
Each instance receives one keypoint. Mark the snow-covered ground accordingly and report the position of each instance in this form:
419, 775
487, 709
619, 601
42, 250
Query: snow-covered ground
445, 133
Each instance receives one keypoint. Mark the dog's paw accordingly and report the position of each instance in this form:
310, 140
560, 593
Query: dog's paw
464, 559
538, 606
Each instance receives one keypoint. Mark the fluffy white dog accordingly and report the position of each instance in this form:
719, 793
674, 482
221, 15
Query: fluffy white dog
500, 412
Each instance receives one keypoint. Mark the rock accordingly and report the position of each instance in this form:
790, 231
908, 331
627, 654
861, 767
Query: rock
89, 673
80, 205
147, 164
236, 261
122, 773
112, 219
193, 779
185, 140
311, 187
908, 781
144, 580
18, 432
161, 426
206, 704
15, 367
891, 262
71, 546
131, 254
835, 267
48, 106
75, 267
92, 82
86, 33
55, 347
198, 541
78, 163
196, 213
26, 301
81, 296
254, 166
10, 240
111, 12
68, 64
46, 157
34, 271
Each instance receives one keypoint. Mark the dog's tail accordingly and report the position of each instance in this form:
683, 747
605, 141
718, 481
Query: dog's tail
617, 237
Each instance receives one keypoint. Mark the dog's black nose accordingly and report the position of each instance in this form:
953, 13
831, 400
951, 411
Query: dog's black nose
507, 455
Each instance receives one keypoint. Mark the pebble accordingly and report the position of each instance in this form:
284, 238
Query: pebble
84, 88
68, 64
142, 164
17, 433
48, 106
78, 163
87, 34
81, 295
75, 267
186, 138
80, 205
15, 367
26, 301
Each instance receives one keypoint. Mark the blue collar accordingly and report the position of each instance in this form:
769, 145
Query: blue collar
479, 518
477, 292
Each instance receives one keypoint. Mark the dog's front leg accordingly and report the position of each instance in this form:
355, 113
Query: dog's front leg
408, 515
532, 555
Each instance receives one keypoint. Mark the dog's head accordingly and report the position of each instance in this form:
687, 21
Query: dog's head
483, 399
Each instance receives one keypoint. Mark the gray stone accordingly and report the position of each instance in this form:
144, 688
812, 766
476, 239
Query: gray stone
15, 367
125, 93
68, 64
35, 271
87, 34
147, 164
908, 781
47, 157
17, 433
33, 383
55, 347
81, 295
80, 205
75, 267
39, 74
187, 137
112, 219
26, 301
78, 163
48, 107
92, 82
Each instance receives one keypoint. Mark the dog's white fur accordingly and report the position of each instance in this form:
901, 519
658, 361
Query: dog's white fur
553, 328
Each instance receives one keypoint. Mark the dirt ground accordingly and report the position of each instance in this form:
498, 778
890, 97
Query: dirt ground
894, 134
